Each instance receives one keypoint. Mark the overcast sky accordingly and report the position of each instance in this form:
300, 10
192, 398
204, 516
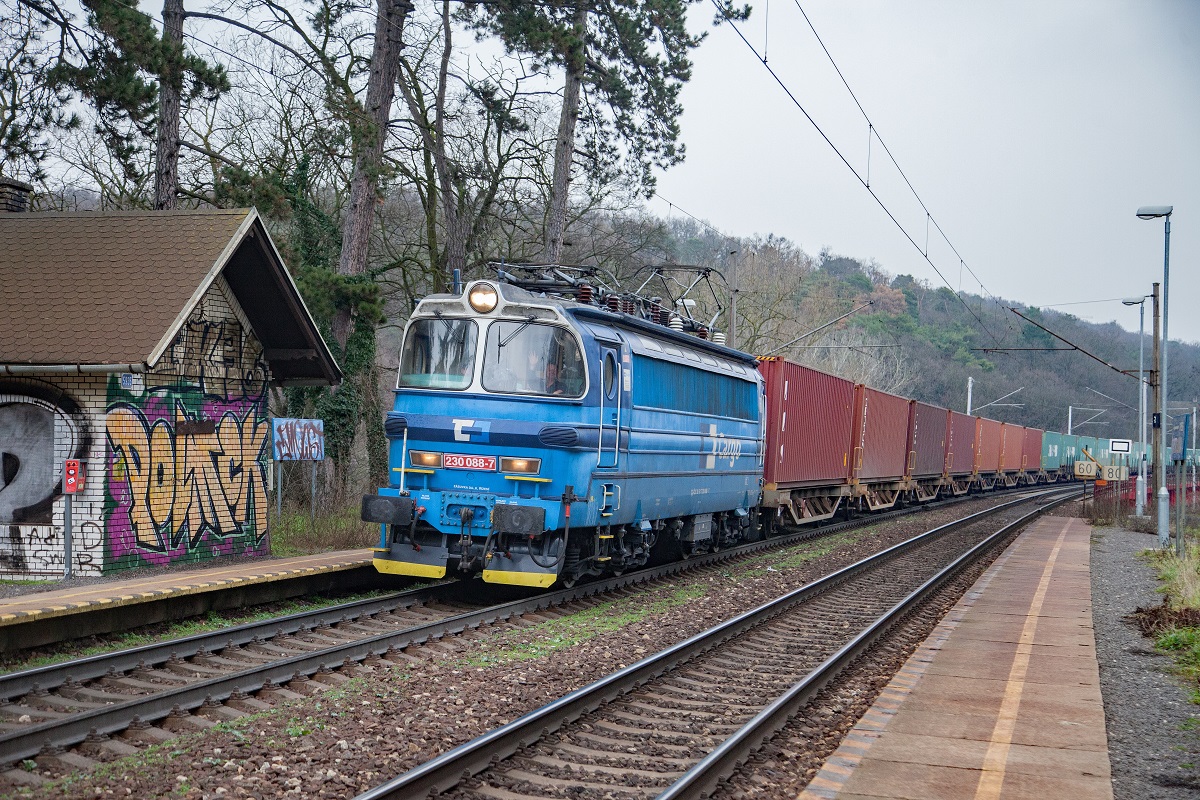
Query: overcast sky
1031, 130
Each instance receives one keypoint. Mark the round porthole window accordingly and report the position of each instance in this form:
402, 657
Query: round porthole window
610, 372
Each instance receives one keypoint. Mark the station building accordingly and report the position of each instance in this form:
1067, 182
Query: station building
143, 344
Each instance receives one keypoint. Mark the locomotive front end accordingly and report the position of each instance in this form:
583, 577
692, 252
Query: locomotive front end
487, 380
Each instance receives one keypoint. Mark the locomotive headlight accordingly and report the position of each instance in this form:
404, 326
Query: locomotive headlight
483, 297
421, 458
528, 466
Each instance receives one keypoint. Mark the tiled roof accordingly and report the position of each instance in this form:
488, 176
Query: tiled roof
102, 288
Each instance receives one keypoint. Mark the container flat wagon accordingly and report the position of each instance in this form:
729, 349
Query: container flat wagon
806, 471
881, 424
987, 452
1031, 459
928, 449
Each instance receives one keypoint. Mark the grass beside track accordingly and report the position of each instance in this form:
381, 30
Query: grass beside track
161, 632
1180, 586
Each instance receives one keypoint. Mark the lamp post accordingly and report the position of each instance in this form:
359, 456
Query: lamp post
1164, 498
1140, 302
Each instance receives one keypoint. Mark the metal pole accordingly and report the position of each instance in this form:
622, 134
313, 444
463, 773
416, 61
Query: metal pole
1070, 413
312, 501
1179, 508
733, 303
1164, 497
67, 537
970, 386
1181, 487
279, 492
1140, 509
1156, 433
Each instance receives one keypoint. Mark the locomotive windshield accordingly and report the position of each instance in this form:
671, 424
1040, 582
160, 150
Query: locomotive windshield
439, 354
530, 358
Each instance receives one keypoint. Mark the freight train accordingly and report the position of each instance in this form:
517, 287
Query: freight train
554, 430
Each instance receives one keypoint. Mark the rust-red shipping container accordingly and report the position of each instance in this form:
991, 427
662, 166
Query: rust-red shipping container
880, 434
1012, 446
960, 449
1032, 459
809, 423
927, 440
987, 446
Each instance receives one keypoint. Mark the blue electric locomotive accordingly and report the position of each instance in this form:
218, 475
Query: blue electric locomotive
537, 438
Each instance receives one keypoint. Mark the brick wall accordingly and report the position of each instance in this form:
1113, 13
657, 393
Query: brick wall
176, 458
44, 421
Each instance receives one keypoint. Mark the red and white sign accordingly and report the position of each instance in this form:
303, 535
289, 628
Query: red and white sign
457, 461
72, 477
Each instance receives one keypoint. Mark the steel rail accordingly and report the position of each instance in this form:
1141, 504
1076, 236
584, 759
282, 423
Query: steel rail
716, 767
17, 684
448, 769
27, 742
48, 678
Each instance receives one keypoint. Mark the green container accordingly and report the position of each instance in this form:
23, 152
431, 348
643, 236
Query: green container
1053, 455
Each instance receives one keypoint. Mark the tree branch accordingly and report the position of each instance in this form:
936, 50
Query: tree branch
256, 32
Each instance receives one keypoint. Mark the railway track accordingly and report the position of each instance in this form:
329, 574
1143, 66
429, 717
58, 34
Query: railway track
678, 723
147, 692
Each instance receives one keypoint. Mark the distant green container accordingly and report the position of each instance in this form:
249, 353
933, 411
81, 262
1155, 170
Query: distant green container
1053, 453
1070, 446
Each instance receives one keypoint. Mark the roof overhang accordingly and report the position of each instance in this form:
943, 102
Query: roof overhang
293, 347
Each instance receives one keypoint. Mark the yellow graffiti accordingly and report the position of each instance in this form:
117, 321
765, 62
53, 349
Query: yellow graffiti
184, 484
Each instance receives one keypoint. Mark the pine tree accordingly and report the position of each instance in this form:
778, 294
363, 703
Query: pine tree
31, 109
624, 63
136, 78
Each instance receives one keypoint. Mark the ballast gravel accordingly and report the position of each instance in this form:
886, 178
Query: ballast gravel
336, 744
1153, 730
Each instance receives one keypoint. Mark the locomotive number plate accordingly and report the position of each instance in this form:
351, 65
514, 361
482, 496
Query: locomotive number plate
456, 461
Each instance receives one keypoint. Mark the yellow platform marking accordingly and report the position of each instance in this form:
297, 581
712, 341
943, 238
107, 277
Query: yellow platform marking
69, 601
994, 763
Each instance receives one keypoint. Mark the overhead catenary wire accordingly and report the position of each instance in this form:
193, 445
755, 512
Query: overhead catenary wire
795, 101
872, 130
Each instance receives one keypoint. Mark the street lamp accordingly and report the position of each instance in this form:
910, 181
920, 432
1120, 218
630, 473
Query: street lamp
1164, 498
1140, 302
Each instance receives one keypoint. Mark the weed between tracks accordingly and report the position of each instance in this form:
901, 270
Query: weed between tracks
540, 640
798, 555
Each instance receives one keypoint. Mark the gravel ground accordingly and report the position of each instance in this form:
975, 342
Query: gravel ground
391, 718
1153, 731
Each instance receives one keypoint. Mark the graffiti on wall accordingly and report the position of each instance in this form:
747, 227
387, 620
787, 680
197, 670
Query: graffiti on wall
44, 553
30, 414
298, 439
219, 356
187, 455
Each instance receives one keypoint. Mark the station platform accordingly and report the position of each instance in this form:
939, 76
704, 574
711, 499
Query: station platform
1002, 700
41, 618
